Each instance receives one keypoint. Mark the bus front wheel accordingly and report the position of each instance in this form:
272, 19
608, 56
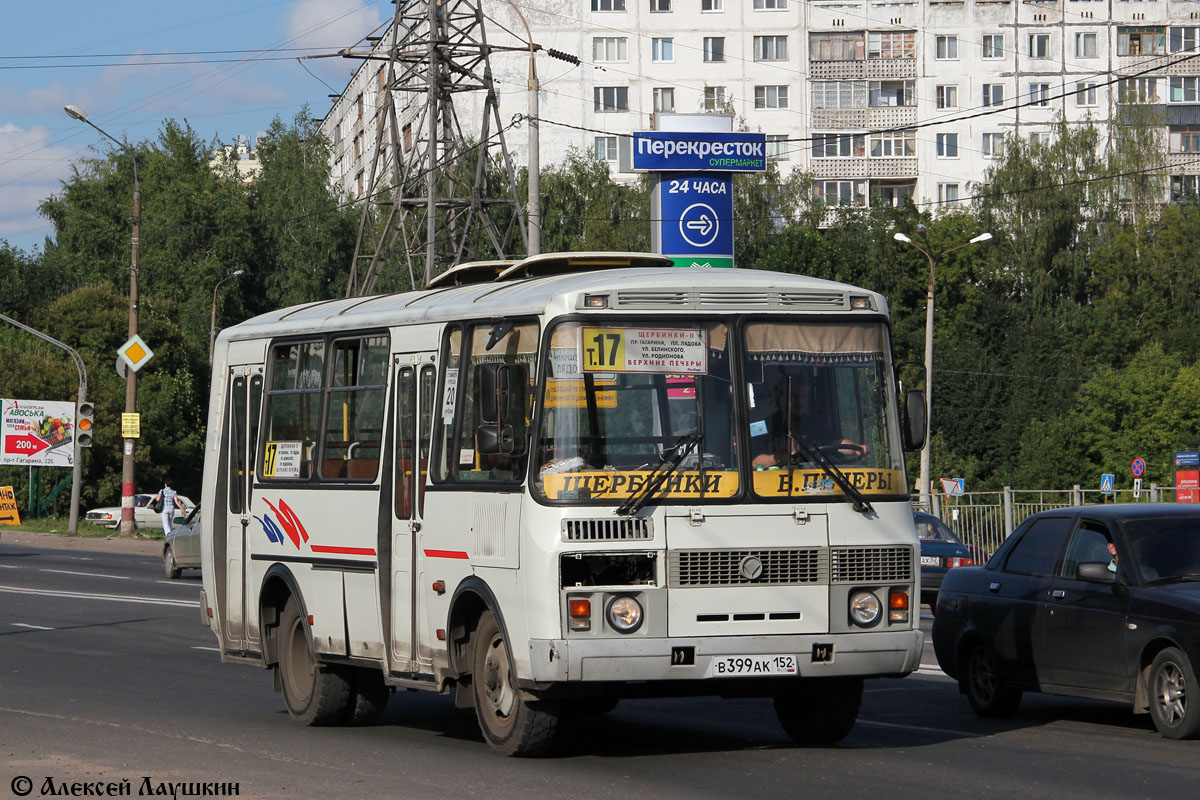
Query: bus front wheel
511, 724
314, 694
819, 711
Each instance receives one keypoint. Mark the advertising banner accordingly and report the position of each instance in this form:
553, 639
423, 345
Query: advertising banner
37, 433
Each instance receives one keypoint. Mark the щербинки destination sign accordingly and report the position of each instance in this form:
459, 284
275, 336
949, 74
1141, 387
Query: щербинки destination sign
670, 151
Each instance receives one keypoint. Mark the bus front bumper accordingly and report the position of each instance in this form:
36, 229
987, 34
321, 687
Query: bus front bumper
867, 655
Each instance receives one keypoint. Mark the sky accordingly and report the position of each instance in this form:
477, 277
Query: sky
132, 65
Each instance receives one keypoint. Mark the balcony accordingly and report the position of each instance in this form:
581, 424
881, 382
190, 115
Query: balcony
877, 68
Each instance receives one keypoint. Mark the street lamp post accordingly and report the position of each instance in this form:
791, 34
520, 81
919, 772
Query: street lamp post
127, 476
212, 324
924, 487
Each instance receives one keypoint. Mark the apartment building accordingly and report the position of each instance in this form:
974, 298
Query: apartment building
878, 99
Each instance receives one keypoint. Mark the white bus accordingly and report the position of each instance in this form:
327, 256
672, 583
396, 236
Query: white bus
582, 478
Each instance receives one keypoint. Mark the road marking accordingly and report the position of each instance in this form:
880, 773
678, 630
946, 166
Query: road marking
86, 574
116, 598
34, 627
214, 649
184, 584
9, 566
921, 729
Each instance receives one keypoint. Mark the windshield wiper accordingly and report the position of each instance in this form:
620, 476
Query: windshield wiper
668, 462
814, 454
1191, 576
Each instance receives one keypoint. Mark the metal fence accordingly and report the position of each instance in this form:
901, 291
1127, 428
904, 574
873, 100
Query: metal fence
985, 519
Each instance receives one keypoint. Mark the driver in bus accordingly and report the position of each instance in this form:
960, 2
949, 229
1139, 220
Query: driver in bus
777, 449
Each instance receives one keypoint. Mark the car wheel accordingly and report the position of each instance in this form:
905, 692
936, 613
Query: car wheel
986, 690
314, 694
169, 567
819, 711
1172, 679
512, 723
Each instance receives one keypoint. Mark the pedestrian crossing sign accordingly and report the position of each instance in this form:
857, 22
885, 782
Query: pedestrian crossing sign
1106, 483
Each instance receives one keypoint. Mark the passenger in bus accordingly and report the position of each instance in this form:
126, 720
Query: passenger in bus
774, 448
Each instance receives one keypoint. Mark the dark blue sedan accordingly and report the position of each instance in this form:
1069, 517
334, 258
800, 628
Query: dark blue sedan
1097, 601
941, 551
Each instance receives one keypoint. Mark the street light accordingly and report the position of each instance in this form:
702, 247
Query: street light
127, 477
212, 325
924, 486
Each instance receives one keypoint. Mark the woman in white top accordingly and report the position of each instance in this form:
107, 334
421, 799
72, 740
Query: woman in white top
170, 501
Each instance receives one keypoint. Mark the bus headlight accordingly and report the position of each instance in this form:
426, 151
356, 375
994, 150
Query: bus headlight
864, 609
625, 614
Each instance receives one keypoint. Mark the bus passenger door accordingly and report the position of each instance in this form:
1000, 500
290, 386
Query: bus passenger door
415, 383
245, 403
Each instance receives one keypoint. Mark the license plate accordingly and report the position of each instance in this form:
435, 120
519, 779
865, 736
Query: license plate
931, 561
750, 666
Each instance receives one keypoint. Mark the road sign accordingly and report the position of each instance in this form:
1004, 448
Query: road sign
1138, 467
131, 426
37, 433
135, 352
1187, 458
1137, 488
9, 515
687, 151
695, 217
953, 487
1106, 483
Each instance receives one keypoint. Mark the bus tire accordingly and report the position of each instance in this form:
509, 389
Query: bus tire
368, 697
819, 711
511, 724
314, 694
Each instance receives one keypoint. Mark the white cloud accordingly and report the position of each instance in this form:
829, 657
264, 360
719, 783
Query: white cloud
31, 169
331, 24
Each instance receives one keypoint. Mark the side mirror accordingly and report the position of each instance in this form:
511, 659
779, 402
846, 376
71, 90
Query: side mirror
1095, 572
502, 397
915, 422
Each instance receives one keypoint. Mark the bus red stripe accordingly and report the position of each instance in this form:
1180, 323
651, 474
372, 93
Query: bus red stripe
445, 554
347, 551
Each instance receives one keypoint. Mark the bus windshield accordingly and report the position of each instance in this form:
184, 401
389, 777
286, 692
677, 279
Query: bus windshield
617, 400
817, 399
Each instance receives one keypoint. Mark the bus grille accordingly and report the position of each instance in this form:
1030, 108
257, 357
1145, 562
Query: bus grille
871, 564
725, 567
606, 530
813, 299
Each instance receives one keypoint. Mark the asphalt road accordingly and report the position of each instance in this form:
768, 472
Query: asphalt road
106, 675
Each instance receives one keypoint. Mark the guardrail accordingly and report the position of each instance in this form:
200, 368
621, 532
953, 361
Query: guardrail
985, 519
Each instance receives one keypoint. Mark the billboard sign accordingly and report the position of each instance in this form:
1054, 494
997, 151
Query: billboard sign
37, 433
694, 213
685, 151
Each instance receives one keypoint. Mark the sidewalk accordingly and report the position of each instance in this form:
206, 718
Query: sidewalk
99, 544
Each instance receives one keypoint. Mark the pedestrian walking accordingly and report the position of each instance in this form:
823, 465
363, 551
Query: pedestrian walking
166, 501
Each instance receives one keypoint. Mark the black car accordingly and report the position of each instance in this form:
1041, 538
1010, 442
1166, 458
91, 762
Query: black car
1095, 601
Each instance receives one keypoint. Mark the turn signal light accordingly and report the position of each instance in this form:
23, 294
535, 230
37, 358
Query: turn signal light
898, 605
580, 611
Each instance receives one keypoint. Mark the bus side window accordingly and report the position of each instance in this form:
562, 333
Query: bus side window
426, 406
237, 445
293, 408
354, 420
405, 444
490, 343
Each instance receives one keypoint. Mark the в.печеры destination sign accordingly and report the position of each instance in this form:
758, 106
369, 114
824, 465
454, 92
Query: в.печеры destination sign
671, 151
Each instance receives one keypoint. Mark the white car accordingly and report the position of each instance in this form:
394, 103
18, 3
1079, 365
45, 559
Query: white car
143, 515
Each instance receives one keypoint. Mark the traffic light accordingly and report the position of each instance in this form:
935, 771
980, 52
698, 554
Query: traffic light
84, 422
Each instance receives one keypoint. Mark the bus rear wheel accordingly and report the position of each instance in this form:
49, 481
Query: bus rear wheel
512, 724
819, 711
313, 693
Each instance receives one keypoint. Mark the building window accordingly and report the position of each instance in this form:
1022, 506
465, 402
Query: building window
770, 97
714, 98
839, 94
358, 146
838, 145
611, 98
835, 47
947, 145
1183, 90
610, 48
359, 103
948, 194
946, 48
840, 193
406, 132
662, 50
770, 5
358, 179
1039, 45
1185, 187
712, 5
888, 94
660, 6
993, 94
608, 5
1039, 138
1185, 139
1086, 46
1141, 41
993, 145
1039, 94
777, 147
947, 96
1086, 95
993, 45
891, 195
770, 48
891, 45
714, 49
664, 99
894, 144
1137, 90
606, 148
1182, 39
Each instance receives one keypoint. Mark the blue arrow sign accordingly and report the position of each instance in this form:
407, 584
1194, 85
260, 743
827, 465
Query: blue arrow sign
695, 215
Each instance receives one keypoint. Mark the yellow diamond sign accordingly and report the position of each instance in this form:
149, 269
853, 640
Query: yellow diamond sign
135, 353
